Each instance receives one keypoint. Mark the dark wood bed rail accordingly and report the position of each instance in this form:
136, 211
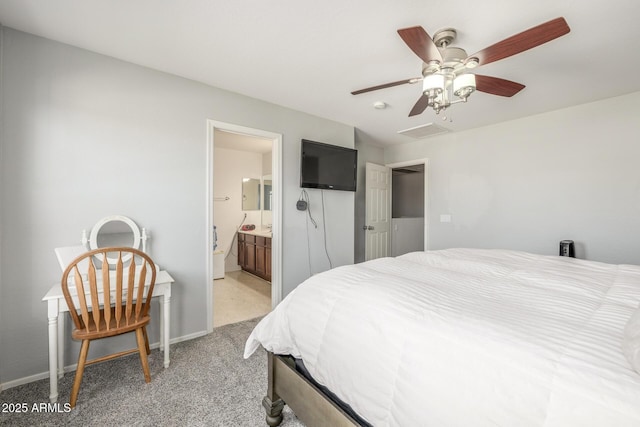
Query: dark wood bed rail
287, 386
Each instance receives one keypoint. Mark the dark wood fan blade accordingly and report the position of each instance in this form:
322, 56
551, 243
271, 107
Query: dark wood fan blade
420, 106
523, 41
420, 43
386, 85
497, 86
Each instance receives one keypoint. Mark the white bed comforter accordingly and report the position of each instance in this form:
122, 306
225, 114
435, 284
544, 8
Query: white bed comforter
467, 337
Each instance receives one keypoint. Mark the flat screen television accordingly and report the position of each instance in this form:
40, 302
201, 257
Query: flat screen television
328, 167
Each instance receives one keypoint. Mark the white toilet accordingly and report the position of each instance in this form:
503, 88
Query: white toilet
218, 264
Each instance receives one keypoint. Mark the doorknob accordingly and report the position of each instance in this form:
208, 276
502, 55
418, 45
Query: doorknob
367, 227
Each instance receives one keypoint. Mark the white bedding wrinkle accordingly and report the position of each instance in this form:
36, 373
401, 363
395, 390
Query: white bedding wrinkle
467, 337
631, 342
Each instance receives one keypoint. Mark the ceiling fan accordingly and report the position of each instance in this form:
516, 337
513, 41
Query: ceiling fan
446, 69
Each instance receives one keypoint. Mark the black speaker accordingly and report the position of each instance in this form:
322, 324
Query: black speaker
567, 248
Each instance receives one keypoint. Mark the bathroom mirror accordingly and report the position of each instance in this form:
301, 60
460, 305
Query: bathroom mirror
115, 230
266, 192
250, 194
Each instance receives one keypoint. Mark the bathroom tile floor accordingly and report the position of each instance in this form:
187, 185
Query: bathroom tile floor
239, 296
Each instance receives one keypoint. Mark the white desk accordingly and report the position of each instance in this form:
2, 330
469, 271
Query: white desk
56, 304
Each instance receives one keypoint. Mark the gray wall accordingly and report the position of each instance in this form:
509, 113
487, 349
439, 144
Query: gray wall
407, 194
529, 183
87, 136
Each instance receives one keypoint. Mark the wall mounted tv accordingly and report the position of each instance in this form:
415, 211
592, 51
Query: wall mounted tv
328, 166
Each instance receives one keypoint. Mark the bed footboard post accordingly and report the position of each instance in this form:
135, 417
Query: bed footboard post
272, 403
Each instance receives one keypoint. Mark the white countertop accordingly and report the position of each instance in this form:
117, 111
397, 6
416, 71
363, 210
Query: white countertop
256, 232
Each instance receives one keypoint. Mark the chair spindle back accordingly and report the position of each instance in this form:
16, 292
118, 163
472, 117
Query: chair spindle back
121, 291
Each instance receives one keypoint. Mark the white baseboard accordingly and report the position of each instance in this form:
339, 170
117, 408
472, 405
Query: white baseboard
25, 380
70, 368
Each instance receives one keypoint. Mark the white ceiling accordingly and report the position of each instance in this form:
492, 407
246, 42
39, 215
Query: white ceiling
309, 55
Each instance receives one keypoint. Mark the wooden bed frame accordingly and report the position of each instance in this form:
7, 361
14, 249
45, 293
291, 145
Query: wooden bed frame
308, 402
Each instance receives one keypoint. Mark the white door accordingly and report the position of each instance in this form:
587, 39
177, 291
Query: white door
378, 211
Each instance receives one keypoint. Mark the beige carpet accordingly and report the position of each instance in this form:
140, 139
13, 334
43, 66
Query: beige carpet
207, 384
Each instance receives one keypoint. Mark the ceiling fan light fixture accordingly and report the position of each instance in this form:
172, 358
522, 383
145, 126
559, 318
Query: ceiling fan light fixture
472, 62
431, 67
433, 84
445, 67
464, 85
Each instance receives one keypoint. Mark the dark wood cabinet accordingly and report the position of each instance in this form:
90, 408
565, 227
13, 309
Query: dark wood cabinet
267, 257
261, 261
249, 256
241, 248
254, 255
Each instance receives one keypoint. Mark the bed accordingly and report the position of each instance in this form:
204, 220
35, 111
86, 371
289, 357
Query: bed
457, 337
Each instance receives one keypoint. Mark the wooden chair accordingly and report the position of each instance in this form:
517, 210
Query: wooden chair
112, 301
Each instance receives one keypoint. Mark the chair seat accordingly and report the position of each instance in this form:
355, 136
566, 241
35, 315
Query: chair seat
91, 332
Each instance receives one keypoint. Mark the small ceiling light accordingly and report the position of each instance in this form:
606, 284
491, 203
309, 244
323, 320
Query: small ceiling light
379, 105
472, 62
464, 85
433, 84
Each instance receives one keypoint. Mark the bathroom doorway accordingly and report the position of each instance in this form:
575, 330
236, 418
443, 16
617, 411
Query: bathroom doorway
244, 171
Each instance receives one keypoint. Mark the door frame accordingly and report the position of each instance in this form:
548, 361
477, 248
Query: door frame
425, 162
276, 208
